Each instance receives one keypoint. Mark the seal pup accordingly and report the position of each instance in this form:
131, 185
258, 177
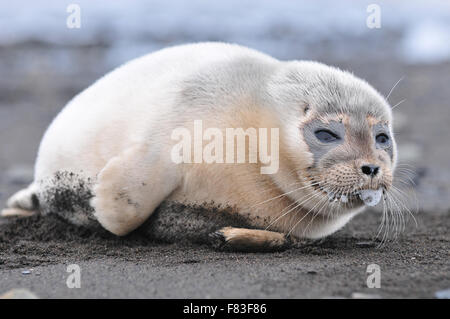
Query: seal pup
108, 155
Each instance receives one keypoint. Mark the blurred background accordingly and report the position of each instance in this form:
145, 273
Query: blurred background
406, 44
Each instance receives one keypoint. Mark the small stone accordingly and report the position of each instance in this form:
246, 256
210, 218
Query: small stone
365, 244
443, 294
18, 294
371, 197
360, 295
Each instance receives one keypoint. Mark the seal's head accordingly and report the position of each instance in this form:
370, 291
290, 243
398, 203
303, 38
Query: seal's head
339, 137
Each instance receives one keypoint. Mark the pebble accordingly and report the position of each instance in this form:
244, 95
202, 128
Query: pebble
365, 244
18, 294
360, 295
443, 294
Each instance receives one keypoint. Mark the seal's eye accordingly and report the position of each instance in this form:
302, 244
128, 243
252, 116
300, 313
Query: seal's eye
326, 136
382, 139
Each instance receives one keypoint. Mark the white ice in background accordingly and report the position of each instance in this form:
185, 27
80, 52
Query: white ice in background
280, 28
427, 42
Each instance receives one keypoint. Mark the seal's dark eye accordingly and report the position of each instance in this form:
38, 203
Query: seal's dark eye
382, 139
326, 136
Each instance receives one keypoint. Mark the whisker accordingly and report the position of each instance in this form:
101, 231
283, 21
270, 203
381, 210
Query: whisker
284, 194
299, 221
398, 104
395, 85
290, 210
403, 205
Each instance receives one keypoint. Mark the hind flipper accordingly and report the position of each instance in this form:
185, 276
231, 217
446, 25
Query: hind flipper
24, 199
24, 203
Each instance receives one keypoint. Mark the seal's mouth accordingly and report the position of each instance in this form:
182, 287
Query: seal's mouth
370, 197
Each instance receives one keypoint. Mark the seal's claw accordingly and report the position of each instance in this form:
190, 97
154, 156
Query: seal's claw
217, 239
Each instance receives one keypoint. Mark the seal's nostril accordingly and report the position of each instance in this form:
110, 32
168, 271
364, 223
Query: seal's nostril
371, 170
375, 170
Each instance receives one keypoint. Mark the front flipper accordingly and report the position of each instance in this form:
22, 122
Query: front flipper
249, 240
130, 187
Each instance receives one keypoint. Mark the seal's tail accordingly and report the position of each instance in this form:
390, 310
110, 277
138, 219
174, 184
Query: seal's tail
23, 203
